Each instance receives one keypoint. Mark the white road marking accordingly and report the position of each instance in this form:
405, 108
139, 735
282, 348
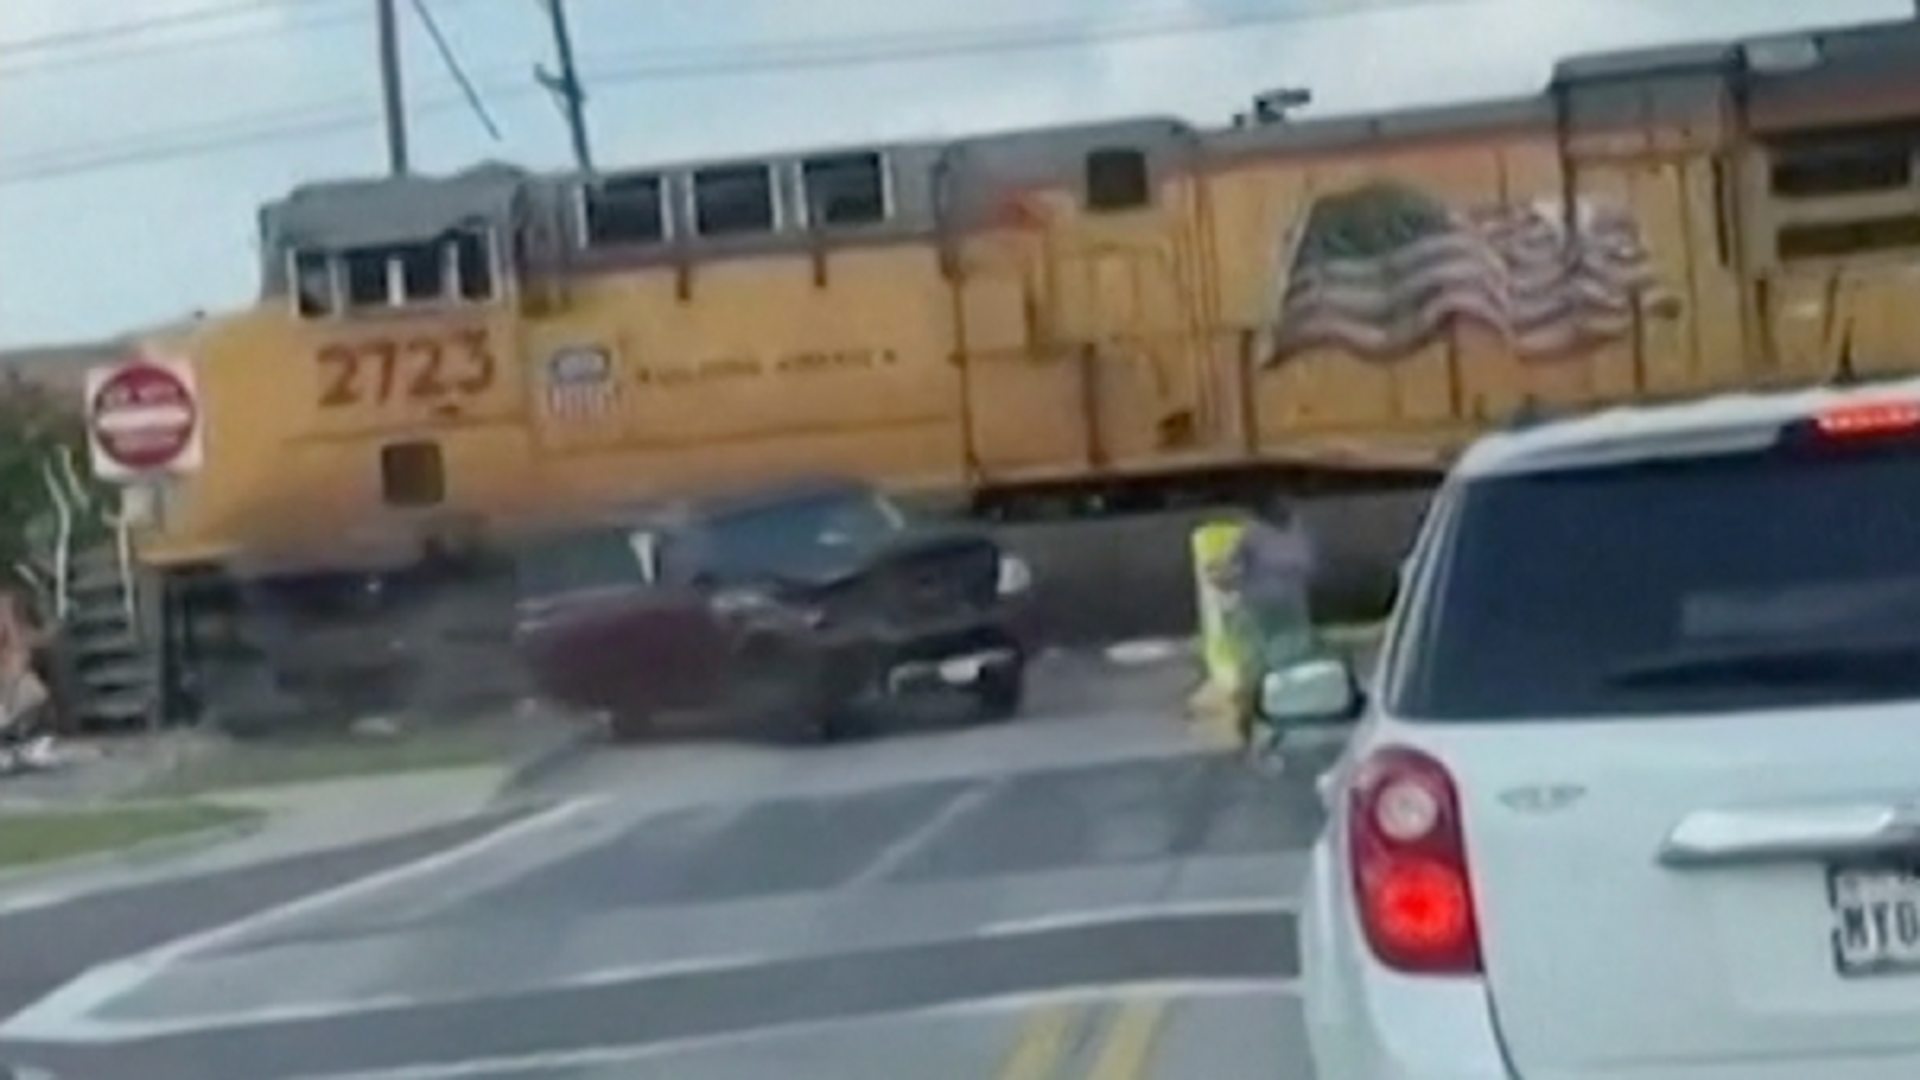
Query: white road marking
1126, 913
117, 1031
622, 817
64, 1015
19, 903
605, 1056
1148, 651
906, 847
78, 1027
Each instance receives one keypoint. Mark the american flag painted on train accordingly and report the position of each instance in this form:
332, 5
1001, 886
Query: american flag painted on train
581, 383
1384, 270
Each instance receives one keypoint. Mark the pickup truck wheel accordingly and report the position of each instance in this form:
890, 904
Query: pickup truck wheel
1000, 691
845, 724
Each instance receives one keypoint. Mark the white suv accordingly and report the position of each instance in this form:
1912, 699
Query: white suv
1635, 792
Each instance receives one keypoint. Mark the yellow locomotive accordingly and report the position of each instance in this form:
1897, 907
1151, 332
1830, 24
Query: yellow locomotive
1088, 315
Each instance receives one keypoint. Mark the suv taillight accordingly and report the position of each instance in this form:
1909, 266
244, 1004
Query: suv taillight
1410, 865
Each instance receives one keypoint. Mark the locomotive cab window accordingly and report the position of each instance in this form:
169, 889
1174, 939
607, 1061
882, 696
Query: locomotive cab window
472, 251
313, 284
456, 267
625, 210
369, 278
423, 272
1118, 179
845, 189
733, 200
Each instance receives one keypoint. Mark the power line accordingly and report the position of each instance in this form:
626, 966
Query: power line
89, 56
1028, 38
80, 57
346, 114
452, 62
67, 39
874, 49
197, 145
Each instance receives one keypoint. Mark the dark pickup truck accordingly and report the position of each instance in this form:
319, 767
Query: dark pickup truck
802, 606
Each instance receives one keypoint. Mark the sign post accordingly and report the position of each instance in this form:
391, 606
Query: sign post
143, 420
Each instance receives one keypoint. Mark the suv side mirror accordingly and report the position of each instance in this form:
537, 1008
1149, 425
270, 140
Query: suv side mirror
1313, 693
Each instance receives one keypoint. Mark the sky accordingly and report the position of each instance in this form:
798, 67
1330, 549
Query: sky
132, 164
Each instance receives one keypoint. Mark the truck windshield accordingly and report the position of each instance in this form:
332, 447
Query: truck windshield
591, 559
1755, 581
805, 536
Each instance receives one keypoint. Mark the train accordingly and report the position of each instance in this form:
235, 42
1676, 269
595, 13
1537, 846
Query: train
1057, 322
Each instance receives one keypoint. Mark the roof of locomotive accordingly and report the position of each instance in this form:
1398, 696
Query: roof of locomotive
1601, 89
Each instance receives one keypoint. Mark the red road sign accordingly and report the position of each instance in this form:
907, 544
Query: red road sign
143, 416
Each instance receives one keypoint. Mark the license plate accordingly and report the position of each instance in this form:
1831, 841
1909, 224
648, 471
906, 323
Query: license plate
1876, 916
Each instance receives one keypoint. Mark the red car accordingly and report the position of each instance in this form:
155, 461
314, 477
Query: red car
801, 606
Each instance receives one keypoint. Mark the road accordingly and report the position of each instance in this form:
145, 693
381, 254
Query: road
1085, 892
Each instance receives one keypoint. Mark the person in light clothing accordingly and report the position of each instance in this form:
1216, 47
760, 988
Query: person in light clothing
1268, 580
1275, 563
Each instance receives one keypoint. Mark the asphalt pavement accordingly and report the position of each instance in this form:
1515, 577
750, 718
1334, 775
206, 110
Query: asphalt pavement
1088, 891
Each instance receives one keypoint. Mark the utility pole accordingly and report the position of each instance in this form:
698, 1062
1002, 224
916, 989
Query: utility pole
566, 85
392, 93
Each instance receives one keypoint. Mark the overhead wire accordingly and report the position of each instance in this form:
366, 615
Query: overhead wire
1032, 37
309, 16
85, 36
93, 57
451, 61
777, 57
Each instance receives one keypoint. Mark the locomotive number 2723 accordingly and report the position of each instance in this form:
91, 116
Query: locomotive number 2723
419, 369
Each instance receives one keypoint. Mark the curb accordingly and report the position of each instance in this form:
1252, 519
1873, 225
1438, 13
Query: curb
545, 762
159, 849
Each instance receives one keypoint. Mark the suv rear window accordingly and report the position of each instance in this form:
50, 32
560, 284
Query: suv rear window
1762, 580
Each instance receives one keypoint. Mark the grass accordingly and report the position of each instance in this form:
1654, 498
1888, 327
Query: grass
276, 762
40, 837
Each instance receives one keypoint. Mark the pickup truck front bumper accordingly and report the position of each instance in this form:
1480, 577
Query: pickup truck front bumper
958, 671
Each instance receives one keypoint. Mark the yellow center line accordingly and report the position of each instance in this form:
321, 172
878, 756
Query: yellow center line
1042, 1044
1129, 1042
